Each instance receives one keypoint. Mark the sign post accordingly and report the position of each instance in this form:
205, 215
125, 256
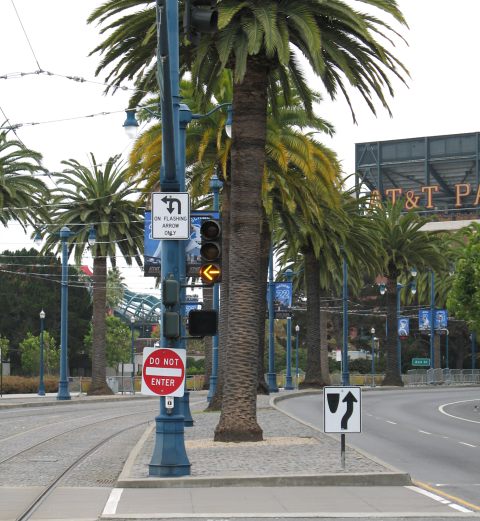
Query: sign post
342, 412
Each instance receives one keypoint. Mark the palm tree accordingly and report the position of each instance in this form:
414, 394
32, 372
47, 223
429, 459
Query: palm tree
100, 196
21, 194
258, 39
403, 245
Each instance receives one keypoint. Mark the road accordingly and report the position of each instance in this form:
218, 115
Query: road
434, 434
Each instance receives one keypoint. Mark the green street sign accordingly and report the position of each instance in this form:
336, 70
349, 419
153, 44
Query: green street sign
421, 362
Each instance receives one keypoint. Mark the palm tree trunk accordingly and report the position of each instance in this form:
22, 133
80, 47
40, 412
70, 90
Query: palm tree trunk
99, 356
208, 341
313, 373
392, 372
216, 401
262, 387
238, 419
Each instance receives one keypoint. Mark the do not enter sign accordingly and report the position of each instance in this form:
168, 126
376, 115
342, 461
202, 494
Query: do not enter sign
163, 372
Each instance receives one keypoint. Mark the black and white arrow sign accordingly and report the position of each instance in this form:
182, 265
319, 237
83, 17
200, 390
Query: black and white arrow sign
342, 409
171, 216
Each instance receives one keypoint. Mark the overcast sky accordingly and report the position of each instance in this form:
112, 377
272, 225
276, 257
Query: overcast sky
441, 97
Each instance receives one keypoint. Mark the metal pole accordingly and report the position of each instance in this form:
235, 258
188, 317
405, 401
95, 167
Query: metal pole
297, 332
215, 185
474, 349
41, 385
373, 358
1, 373
271, 376
432, 319
288, 380
446, 350
345, 372
132, 322
169, 457
63, 392
399, 344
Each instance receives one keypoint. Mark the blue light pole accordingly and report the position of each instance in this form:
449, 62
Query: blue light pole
372, 332
63, 392
132, 323
432, 319
474, 349
297, 332
41, 385
215, 186
413, 289
288, 379
271, 376
345, 372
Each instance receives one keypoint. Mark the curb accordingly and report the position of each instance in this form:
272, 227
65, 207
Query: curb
77, 401
295, 480
393, 470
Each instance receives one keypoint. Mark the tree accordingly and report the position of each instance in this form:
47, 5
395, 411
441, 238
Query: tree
100, 195
464, 297
30, 282
30, 354
258, 41
117, 342
21, 193
115, 288
403, 245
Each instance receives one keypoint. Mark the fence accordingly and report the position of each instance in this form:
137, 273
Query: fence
443, 376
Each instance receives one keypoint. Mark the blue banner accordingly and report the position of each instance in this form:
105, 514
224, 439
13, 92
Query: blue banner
282, 296
152, 249
403, 326
440, 321
424, 322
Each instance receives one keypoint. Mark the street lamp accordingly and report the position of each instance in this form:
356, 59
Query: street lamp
372, 332
413, 289
345, 372
297, 331
271, 375
288, 380
41, 385
132, 323
65, 234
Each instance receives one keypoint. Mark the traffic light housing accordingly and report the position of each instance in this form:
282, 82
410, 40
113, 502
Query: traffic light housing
170, 299
210, 251
200, 16
203, 323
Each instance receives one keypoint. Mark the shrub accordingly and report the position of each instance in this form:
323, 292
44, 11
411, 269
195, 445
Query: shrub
23, 385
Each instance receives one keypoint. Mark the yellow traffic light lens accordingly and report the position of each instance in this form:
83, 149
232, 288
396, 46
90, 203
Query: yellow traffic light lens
210, 273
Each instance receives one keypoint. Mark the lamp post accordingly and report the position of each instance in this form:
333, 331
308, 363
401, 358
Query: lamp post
271, 376
474, 349
372, 332
297, 331
288, 380
63, 392
446, 348
413, 289
132, 323
41, 385
345, 372
215, 186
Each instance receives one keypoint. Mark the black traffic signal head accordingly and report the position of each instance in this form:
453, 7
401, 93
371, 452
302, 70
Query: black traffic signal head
210, 251
203, 322
200, 16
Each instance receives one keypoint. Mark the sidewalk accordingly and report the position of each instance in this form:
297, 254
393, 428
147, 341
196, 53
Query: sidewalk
294, 473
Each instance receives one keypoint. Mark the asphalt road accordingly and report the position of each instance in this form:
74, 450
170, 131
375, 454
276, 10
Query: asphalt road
434, 434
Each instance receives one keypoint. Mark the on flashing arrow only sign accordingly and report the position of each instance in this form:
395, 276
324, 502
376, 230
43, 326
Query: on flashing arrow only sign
171, 215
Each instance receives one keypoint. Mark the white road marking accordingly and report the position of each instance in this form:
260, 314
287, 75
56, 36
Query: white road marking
440, 499
425, 432
467, 444
393, 423
442, 410
162, 371
460, 508
112, 503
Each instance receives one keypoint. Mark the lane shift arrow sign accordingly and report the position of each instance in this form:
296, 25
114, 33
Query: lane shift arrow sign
349, 400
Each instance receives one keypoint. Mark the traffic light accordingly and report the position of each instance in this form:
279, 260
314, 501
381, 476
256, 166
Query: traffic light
170, 299
200, 16
211, 251
203, 322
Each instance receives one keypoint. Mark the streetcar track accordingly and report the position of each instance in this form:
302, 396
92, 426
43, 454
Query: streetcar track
35, 504
9, 458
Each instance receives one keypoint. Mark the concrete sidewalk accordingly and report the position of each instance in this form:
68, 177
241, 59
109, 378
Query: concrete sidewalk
294, 473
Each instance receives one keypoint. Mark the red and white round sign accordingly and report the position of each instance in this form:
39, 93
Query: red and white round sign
163, 371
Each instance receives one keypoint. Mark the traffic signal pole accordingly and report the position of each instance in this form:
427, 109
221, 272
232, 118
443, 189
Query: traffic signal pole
169, 457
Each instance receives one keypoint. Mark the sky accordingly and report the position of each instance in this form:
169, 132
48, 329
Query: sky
441, 96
